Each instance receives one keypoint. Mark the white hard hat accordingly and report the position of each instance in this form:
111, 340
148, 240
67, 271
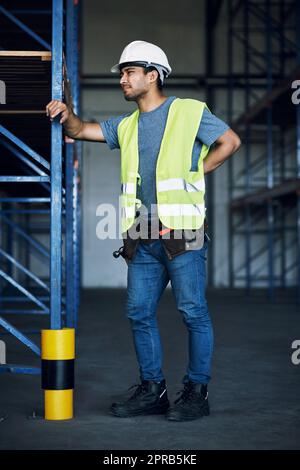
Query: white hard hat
144, 54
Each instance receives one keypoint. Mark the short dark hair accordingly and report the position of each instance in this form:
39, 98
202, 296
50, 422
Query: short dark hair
158, 81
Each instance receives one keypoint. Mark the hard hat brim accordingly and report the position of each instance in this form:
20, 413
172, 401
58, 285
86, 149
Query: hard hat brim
139, 63
134, 63
115, 68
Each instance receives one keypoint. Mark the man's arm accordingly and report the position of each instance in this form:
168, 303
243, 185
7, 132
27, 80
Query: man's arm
226, 145
73, 125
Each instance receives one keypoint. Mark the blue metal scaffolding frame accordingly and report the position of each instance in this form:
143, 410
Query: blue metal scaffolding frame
58, 295
267, 199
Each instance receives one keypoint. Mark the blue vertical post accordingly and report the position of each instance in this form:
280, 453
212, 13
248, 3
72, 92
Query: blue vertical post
69, 177
56, 169
77, 227
75, 57
74, 203
10, 237
230, 120
248, 224
77, 169
27, 252
270, 175
283, 221
297, 22
69, 255
70, 271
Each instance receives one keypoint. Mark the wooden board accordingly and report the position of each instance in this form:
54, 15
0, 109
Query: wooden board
44, 55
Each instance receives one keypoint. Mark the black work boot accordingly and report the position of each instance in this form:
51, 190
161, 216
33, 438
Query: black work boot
192, 403
149, 398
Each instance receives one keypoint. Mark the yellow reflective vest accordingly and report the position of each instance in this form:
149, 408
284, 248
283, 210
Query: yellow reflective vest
180, 191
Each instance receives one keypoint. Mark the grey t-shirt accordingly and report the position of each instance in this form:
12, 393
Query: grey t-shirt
151, 128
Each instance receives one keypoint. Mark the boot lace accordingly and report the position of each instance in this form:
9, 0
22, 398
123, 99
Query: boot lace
139, 389
186, 395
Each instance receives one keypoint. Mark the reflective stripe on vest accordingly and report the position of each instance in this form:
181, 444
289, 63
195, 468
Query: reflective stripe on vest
180, 192
178, 210
128, 212
128, 188
179, 183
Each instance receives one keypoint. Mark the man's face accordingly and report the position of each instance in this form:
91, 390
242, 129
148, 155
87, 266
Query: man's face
134, 82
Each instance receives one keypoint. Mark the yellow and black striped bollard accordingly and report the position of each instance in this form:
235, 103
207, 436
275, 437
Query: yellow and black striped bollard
58, 355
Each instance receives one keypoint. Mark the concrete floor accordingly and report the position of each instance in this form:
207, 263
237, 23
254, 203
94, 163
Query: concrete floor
254, 393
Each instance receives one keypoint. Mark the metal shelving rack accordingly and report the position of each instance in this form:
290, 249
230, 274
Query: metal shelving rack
39, 171
264, 215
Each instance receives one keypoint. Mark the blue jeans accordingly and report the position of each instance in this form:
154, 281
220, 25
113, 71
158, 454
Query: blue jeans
148, 275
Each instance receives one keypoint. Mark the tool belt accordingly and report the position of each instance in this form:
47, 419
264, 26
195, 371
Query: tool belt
175, 242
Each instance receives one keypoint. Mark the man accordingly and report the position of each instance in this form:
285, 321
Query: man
165, 152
